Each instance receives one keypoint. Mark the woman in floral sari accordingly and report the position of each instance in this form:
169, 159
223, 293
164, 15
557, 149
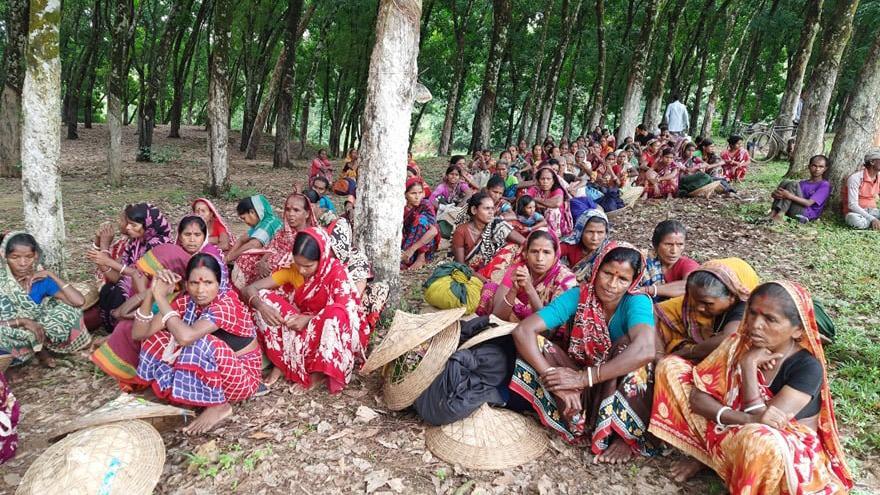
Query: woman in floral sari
758, 410
257, 213
298, 216
536, 278
736, 160
421, 236
39, 311
692, 326
597, 386
219, 232
146, 228
551, 196
479, 242
200, 349
587, 239
314, 328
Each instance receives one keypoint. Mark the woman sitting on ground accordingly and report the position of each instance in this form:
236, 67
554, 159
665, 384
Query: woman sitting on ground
758, 410
298, 215
694, 173
712, 306
589, 236
313, 329
551, 196
39, 312
510, 181
667, 174
219, 233
452, 191
528, 219
803, 200
321, 167
478, 241
257, 213
200, 349
599, 381
146, 228
533, 281
736, 159
421, 236
667, 271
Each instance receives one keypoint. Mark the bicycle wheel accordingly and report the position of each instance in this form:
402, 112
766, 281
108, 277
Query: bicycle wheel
762, 147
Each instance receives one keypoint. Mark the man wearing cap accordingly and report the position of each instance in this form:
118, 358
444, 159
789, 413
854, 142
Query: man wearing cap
860, 194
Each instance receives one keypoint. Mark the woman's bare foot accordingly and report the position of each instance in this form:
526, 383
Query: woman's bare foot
209, 418
272, 377
46, 359
616, 453
685, 469
317, 380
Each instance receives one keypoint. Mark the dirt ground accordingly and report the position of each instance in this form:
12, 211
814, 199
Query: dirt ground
293, 441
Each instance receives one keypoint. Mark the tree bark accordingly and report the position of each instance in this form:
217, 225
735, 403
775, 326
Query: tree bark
218, 98
10, 99
599, 84
74, 88
811, 131
570, 11
653, 111
40, 140
182, 70
794, 80
527, 130
729, 48
387, 111
632, 98
860, 123
281, 154
482, 128
117, 79
459, 30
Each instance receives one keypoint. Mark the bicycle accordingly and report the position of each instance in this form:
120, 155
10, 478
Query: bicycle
770, 142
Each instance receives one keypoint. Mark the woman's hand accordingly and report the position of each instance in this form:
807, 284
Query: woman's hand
263, 268
35, 328
406, 254
762, 358
297, 322
522, 278
105, 234
569, 401
164, 283
775, 417
41, 274
99, 258
270, 315
562, 378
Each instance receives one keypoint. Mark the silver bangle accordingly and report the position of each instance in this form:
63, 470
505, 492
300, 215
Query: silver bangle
754, 407
167, 316
142, 317
718, 416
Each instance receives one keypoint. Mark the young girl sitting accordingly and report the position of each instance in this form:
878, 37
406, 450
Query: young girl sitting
527, 216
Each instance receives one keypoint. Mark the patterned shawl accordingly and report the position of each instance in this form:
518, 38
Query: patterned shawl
156, 231
412, 216
720, 376
265, 229
583, 269
218, 219
15, 302
282, 244
553, 283
590, 340
493, 238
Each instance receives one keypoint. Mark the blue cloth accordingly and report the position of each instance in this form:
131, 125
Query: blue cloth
633, 310
42, 289
325, 203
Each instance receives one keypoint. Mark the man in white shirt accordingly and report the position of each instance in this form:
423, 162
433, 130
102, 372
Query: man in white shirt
677, 117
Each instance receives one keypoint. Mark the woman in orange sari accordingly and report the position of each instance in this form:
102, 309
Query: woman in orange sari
758, 410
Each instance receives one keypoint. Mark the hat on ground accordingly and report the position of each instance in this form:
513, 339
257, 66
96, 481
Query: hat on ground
90, 292
407, 332
123, 458
706, 191
488, 439
123, 408
874, 154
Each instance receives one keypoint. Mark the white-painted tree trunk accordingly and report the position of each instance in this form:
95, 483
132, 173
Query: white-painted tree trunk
116, 80
218, 99
40, 137
635, 86
384, 142
820, 87
858, 124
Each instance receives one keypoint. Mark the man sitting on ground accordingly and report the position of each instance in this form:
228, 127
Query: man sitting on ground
860, 194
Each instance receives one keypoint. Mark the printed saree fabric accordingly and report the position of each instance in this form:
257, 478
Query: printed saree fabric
751, 458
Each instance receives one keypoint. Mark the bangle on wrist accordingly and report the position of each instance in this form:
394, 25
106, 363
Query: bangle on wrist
65, 286
590, 377
167, 316
122, 269
753, 408
143, 317
655, 290
718, 414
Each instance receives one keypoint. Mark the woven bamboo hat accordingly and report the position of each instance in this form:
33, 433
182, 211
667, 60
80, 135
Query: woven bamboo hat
705, 191
90, 292
488, 439
125, 407
500, 328
124, 458
407, 332
400, 394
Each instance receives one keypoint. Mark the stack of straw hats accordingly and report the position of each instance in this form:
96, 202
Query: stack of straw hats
111, 450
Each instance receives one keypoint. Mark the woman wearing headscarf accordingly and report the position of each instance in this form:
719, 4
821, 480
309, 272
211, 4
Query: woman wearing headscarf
596, 385
219, 233
257, 213
146, 228
550, 195
201, 348
313, 329
421, 235
587, 239
39, 311
758, 410
712, 307
298, 215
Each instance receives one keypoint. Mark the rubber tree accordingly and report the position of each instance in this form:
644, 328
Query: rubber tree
653, 113
218, 96
284, 105
599, 83
632, 98
120, 32
384, 140
482, 127
40, 140
817, 94
794, 80
10, 98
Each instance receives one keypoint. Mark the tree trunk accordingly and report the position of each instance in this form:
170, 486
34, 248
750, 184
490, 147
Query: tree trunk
570, 11
459, 28
182, 70
117, 80
701, 83
794, 80
155, 79
281, 154
88, 107
729, 48
387, 110
525, 131
306, 105
74, 88
859, 123
599, 83
811, 131
10, 99
632, 98
482, 128
218, 98
653, 111
40, 141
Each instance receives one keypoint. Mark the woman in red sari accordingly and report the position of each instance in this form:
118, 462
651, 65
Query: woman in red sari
219, 233
313, 328
736, 159
200, 349
551, 197
758, 410
298, 215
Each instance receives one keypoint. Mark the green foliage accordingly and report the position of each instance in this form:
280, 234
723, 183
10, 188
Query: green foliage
233, 460
235, 193
165, 154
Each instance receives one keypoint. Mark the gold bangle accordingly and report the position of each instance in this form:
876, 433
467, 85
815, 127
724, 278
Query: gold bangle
65, 286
